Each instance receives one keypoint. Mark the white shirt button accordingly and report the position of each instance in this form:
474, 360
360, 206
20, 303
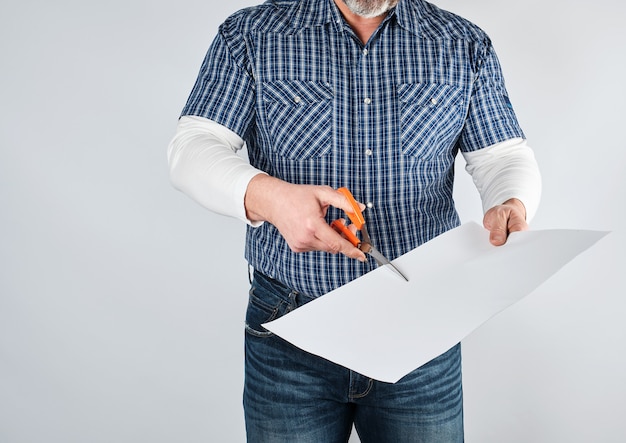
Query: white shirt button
368, 152
370, 205
365, 52
367, 101
433, 101
297, 99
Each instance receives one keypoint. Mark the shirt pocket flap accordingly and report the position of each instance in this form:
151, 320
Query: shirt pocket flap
296, 92
430, 94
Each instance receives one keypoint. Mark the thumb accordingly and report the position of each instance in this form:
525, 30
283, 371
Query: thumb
339, 200
497, 235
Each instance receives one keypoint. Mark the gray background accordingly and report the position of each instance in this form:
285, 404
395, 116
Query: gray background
122, 302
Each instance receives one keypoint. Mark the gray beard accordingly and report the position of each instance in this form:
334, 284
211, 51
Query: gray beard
370, 8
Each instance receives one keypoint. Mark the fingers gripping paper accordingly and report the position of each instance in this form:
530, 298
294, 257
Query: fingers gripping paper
383, 327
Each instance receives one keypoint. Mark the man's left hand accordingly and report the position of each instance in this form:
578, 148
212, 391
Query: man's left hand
503, 219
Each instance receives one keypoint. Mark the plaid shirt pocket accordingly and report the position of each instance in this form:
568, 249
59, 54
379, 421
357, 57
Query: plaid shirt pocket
431, 118
299, 118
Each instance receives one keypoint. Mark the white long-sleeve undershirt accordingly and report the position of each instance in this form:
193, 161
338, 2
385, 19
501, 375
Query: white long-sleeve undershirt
506, 170
204, 164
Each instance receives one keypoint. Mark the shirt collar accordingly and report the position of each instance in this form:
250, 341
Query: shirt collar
409, 15
312, 13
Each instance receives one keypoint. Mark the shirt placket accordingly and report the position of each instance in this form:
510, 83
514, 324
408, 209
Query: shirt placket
366, 103
365, 152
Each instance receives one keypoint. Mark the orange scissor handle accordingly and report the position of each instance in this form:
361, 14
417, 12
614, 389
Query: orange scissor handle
356, 216
343, 229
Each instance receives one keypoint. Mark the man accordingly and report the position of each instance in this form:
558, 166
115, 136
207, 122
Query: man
377, 96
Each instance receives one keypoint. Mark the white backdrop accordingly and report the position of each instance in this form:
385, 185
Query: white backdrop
122, 302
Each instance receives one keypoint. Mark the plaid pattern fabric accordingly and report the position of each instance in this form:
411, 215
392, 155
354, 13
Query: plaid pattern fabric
386, 119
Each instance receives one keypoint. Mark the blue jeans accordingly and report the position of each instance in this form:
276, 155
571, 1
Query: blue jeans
296, 397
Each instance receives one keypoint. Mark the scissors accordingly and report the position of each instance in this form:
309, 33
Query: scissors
365, 245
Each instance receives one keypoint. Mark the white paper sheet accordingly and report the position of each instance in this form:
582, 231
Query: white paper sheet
383, 327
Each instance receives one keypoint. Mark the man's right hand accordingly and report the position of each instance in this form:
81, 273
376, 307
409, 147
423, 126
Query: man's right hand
298, 212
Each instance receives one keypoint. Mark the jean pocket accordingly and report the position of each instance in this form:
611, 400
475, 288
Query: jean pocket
299, 116
263, 308
431, 118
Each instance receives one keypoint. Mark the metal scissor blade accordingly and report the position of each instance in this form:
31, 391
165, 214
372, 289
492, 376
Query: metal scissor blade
382, 260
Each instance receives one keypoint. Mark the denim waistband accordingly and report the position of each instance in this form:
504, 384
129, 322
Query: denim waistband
272, 284
280, 289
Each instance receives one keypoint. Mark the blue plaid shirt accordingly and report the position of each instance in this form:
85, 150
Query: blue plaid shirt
385, 119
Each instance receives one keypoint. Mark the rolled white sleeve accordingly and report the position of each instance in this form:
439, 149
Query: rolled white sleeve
204, 164
506, 170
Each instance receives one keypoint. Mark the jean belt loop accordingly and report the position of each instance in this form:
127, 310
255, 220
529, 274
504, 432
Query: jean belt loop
293, 300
